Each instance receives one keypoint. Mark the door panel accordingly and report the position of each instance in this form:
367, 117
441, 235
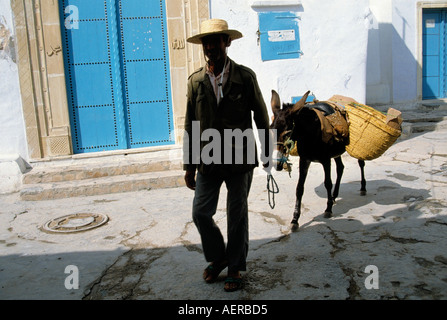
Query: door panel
433, 73
118, 80
89, 42
97, 126
93, 85
146, 73
89, 60
145, 81
142, 39
135, 8
145, 122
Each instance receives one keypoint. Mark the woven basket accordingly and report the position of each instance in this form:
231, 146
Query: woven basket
369, 134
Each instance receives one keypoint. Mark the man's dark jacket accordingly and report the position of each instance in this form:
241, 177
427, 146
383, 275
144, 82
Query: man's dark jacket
242, 96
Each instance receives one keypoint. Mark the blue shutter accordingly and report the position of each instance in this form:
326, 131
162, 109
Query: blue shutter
279, 34
310, 98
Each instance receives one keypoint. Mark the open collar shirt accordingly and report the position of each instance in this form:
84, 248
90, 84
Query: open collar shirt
216, 80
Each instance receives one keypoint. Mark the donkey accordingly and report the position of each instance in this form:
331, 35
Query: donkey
301, 124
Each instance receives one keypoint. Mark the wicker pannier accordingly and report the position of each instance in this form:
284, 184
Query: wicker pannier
369, 134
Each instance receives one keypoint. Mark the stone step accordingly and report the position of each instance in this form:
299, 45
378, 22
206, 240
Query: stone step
424, 116
59, 173
411, 127
103, 173
428, 126
103, 185
417, 121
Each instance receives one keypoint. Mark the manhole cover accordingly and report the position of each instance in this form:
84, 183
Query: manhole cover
75, 223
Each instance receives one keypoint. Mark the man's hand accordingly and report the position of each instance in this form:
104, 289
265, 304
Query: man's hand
190, 179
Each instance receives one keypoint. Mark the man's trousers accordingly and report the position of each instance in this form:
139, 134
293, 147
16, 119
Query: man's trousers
204, 208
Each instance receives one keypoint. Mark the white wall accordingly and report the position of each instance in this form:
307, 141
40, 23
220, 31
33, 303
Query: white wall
12, 127
405, 65
392, 67
333, 38
13, 146
366, 49
379, 75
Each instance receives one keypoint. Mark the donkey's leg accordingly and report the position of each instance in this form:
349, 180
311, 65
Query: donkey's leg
328, 185
363, 182
304, 168
340, 168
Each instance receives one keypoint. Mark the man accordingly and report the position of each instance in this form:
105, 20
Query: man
221, 98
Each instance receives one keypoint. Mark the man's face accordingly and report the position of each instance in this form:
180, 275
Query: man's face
214, 47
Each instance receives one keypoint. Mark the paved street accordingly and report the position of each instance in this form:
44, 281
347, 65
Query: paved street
150, 249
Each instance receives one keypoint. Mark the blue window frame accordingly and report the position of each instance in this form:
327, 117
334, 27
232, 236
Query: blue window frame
279, 35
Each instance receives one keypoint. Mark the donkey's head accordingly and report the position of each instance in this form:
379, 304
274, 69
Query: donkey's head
283, 122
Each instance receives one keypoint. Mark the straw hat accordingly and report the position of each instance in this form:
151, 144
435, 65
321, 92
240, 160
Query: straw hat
214, 26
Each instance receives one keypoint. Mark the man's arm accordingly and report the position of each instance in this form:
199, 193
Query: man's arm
262, 122
188, 164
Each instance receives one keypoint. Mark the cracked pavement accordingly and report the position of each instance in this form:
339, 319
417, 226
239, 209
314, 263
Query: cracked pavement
150, 248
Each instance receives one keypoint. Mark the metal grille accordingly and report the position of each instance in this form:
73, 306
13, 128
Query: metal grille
58, 145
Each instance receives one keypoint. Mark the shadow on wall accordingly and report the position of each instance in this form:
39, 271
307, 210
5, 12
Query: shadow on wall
391, 68
393, 74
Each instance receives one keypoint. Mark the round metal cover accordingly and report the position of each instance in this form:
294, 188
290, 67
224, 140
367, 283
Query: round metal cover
75, 223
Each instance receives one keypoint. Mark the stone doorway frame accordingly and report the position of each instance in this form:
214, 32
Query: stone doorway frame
42, 75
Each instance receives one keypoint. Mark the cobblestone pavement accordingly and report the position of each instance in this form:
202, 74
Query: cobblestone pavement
389, 244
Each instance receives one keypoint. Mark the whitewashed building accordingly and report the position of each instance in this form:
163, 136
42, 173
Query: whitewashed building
97, 76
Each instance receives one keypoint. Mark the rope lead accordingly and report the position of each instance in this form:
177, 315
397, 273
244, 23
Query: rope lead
272, 188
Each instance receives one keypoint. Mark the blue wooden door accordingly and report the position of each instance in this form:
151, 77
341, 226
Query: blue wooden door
117, 70
434, 54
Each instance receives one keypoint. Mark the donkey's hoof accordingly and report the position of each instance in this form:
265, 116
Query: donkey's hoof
327, 214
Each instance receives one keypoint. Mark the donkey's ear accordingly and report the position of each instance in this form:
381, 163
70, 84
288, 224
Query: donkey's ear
276, 102
300, 104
